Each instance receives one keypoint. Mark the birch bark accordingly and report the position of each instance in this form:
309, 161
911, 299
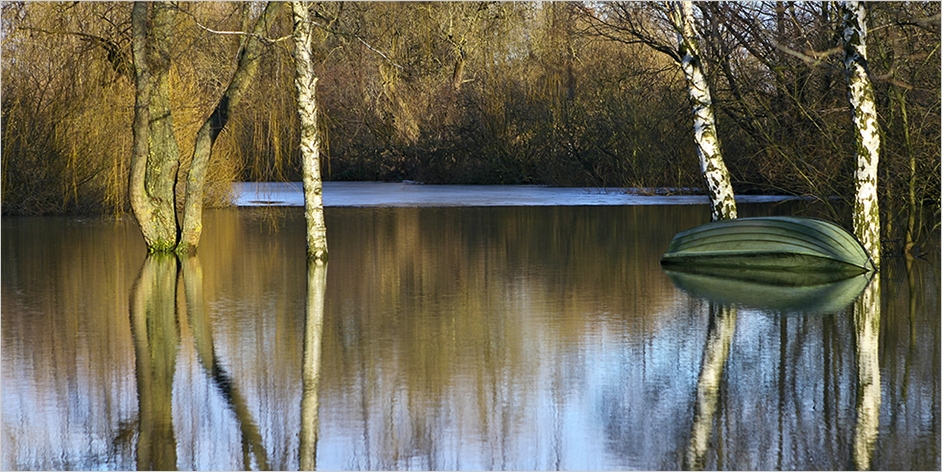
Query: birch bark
860, 93
866, 226
712, 167
306, 83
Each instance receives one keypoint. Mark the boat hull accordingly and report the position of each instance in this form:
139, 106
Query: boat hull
820, 249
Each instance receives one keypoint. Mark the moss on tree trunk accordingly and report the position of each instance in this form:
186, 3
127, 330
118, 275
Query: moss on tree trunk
155, 158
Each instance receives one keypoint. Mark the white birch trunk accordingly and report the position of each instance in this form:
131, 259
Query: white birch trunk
712, 167
860, 92
306, 83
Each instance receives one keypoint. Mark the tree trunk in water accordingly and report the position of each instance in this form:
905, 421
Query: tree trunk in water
910, 239
722, 200
306, 83
860, 93
206, 136
155, 158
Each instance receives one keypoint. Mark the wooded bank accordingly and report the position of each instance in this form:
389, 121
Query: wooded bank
498, 93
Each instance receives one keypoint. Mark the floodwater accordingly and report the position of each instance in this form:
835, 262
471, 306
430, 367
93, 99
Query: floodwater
448, 338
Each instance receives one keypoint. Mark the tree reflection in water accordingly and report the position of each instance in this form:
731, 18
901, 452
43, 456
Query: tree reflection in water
451, 339
867, 329
155, 326
866, 312
715, 354
156, 338
310, 376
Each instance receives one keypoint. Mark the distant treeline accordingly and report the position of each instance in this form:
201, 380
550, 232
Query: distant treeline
560, 93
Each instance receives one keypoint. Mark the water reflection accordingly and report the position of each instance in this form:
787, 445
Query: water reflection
156, 324
715, 354
311, 376
498, 338
253, 450
156, 339
869, 395
773, 291
777, 293
726, 292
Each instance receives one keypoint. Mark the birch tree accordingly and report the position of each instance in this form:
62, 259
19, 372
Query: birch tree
715, 174
863, 107
634, 21
316, 235
866, 220
306, 84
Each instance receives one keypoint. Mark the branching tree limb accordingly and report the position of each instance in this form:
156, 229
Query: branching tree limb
249, 57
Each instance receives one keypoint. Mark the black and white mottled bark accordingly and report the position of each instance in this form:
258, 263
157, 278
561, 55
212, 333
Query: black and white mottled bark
306, 83
862, 104
712, 167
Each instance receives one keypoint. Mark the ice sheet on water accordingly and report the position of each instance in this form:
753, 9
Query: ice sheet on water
409, 194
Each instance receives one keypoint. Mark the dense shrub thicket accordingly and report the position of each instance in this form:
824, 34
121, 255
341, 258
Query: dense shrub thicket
563, 93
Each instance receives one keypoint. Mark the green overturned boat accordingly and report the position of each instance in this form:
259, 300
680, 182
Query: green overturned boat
773, 250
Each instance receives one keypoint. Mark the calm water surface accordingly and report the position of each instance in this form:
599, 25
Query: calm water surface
446, 338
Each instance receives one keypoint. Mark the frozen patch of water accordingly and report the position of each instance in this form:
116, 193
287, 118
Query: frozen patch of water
405, 194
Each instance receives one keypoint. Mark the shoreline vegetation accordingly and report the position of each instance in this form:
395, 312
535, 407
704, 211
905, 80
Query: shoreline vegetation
503, 93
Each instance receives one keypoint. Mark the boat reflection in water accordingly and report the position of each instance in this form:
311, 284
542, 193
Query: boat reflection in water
451, 339
783, 292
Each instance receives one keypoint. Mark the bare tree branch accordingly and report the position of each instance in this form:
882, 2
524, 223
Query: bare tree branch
263, 39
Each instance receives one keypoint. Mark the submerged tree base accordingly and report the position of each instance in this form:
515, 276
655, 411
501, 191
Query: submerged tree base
162, 247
